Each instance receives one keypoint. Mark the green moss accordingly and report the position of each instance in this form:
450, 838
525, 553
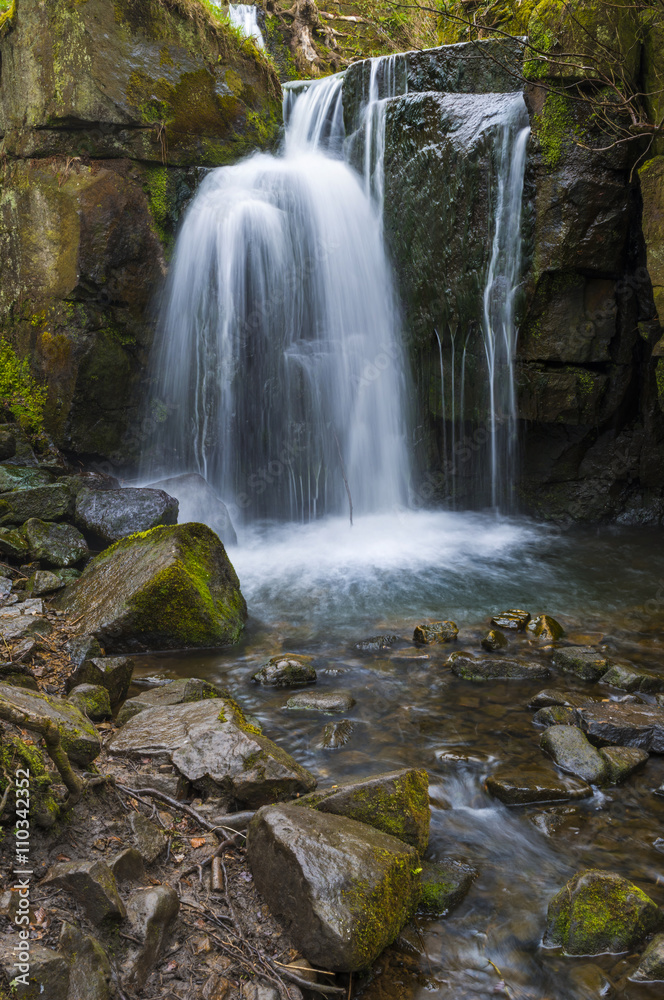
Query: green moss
585, 382
659, 378
381, 910
555, 128
7, 12
20, 393
156, 188
16, 753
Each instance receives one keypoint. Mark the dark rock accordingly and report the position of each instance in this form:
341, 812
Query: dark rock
178, 692
110, 672
199, 502
44, 582
435, 632
127, 865
79, 737
47, 503
554, 696
213, 746
321, 701
598, 912
572, 752
151, 914
622, 761
90, 969
444, 884
651, 967
54, 544
587, 663
396, 803
493, 641
167, 588
93, 886
627, 725
555, 715
534, 784
514, 619
288, 670
546, 628
109, 515
47, 973
23, 477
92, 700
12, 543
151, 841
628, 678
7, 443
376, 643
82, 648
344, 909
485, 669
337, 734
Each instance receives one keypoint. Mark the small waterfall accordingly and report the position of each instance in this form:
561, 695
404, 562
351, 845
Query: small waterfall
245, 17
279, 366
387, 79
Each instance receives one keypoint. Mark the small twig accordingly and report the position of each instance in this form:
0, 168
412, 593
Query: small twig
136, 793
3, 801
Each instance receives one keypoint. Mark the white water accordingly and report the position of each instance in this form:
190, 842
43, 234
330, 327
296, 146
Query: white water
244, 17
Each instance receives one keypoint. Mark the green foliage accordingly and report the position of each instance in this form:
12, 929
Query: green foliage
20, 393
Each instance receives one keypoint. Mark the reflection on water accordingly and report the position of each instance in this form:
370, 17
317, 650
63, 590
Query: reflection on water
318, 589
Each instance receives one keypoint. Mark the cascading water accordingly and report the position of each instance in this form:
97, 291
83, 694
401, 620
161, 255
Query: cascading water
280, 360
245, 17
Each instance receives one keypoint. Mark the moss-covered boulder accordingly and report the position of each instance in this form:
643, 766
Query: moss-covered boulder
79, 737
167, 588
444, 884
59, 545
396, 803
213, 745
622, 761
15, 753
92, 700
12, 543
342, 911
598, 912
435, 632
47, 503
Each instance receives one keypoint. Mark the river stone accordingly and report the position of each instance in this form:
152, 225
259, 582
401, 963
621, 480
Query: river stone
555, 715
199, 502
287, 670
514, 619
92, 700
337, 734
12, 543
622, 761
651, 967
444, 884
342, 889
627, 678
485, 669
44, 582
625, 724
598, 912
109, 515
435, 632
151, 841
493, 640
211, 743
396, 803
92, 884
48, 975
554, 696
57, 545
90, 969
525, 785
110, 672
587, 663
321, 701
376, 642
167, 588
545, 627
79, 737
48, 503
151, 914
572, 752
177, 692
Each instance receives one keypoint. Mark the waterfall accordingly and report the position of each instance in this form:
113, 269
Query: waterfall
244, 17
279, 368
387, 79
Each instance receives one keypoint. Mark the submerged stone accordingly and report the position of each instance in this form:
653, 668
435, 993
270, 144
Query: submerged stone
444, 884
493, 640
167, 588
376, 642
554, 696
598, 912
485, 669
337, 734
344, 909
287, 670
587, 663
522, 786
572, 752
321, 701
435, 632
546, 628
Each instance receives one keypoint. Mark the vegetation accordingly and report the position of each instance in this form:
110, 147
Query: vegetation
21, 396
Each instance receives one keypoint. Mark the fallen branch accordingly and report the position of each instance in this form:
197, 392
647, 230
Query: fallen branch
240, 817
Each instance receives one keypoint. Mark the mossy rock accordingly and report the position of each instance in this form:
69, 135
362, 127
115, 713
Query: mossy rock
58, 545
546, 628
172, 587
599, 912
444, 884
92, 700
15, 753
79, 737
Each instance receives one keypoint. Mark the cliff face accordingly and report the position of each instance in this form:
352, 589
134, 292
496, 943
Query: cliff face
107, 113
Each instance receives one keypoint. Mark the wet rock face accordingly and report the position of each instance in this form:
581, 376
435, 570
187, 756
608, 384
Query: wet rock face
444, 884
651, 967
343, 889
598, 912
288, 670
573, 753
534, 784
199, 502
640, 726
587, 663
109, 515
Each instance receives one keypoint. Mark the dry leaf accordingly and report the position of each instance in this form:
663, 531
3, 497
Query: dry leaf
197, 841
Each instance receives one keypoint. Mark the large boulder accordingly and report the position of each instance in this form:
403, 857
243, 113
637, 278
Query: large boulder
342, 889
199, 502
211, 743
396, 803
598, 912
79, 737
48, 503
109, 515
167, 588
